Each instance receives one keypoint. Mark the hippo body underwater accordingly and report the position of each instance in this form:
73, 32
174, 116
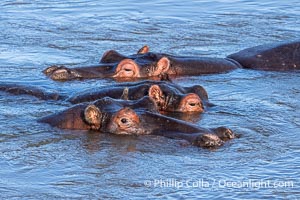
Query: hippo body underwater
168, 96
145, 64
137, 117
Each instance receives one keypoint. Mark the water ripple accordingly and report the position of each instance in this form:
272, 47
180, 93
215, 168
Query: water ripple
38, 161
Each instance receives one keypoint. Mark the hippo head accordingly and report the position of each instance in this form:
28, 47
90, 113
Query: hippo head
122, 118
175, 102
97, 115
124, 121
113, 64
119, 116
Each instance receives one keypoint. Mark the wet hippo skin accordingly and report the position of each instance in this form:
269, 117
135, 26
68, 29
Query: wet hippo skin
168, 96
282, 56
30, 90
276, 57
134, 118
143, 67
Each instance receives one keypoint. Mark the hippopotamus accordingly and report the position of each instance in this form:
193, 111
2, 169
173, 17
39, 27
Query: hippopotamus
168, 96
284, 56
137, 117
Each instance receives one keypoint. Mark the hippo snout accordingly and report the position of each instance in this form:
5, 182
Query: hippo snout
61, 73
208, 140
224, 133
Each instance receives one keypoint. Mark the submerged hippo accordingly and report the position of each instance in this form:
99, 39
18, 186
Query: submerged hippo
30, 90
167, 96
277, 57
134, 118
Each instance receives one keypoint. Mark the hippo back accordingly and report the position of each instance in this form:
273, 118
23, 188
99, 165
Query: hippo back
273, 57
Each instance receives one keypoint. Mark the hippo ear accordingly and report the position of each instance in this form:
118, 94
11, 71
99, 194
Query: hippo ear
107, 55
156, 94
125, 93
144, 49
92, 115
163, 65
127, 68
111, 56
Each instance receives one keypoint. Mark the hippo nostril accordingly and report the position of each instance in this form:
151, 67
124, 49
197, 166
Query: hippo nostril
192, 104
124, 120
229, 134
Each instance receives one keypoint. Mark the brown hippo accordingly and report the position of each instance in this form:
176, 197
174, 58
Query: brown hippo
168, 96
277, 57
137, 117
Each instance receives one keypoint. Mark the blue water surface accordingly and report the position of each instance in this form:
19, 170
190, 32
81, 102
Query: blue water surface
41, 162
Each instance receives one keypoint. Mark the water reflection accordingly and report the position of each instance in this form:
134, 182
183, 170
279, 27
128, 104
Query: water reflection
189, 117
94, 142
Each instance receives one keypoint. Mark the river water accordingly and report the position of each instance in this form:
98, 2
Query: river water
41, 162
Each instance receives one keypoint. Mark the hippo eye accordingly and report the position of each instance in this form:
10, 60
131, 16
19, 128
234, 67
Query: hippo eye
124, 120
192, 104
127, 70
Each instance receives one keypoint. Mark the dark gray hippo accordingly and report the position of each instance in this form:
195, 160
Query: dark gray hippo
283, 56
168, 96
